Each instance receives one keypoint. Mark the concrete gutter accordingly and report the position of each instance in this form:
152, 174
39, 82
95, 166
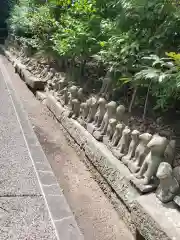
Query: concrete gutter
32, 205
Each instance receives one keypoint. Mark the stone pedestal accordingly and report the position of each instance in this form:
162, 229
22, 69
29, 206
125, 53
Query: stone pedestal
106, 141
142, 187
98, 135
82, 122
116, 152
90, 127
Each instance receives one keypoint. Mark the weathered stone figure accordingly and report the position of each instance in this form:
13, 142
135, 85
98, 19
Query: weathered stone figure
73, 95
120, 113
112, 124
44, 72
117, 134
132, 147
80, 95
31, 65
38, 69
52, 84
169, 153
100, 112
110, 112
84, 110
50, 75
91, 127
140, 153
75, 108
122, 147
61, 86
168, 186
107, 82
92, 102
111, 128
156, 146
65, 97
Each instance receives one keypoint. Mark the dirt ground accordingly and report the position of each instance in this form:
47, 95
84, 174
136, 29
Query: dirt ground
94, 213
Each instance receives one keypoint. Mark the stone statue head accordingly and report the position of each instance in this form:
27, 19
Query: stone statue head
135, 134
120, 109
120, 112
101, 102
119, 126
73, 91
111, 107
157, 143
93, 101
126, 131
164, 170
145, 137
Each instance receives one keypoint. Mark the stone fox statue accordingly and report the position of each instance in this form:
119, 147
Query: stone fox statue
107, 82
157, 146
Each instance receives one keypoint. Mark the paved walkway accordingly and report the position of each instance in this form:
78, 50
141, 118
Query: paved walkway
32, 205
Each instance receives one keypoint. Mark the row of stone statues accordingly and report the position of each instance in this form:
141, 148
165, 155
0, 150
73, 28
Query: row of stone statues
148, 157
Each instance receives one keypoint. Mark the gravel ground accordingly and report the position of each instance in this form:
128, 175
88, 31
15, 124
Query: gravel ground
94, 213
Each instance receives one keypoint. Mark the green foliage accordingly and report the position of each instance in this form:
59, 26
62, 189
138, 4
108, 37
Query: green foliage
128, 37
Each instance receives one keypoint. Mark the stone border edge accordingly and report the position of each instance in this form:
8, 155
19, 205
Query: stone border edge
58, 208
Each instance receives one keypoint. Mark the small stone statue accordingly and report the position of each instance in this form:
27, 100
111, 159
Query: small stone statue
110, 131
148, 170
55, 81
168, 184
50, 75
132, 147
111, 128
100, 112
122, 147
31, 65
75, 108
112, 125
110, 112
61, 85
73, 95
84, 110
120, 113
64, 98
169, 153
80, 95
140, 153
44, 72
38, 69
91, 127
117, 135
52, 84
92, 102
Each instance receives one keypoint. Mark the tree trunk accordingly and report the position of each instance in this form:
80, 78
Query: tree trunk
146, 101
132, 99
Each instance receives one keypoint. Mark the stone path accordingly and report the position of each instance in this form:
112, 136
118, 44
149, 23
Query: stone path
32, 205
95, 215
